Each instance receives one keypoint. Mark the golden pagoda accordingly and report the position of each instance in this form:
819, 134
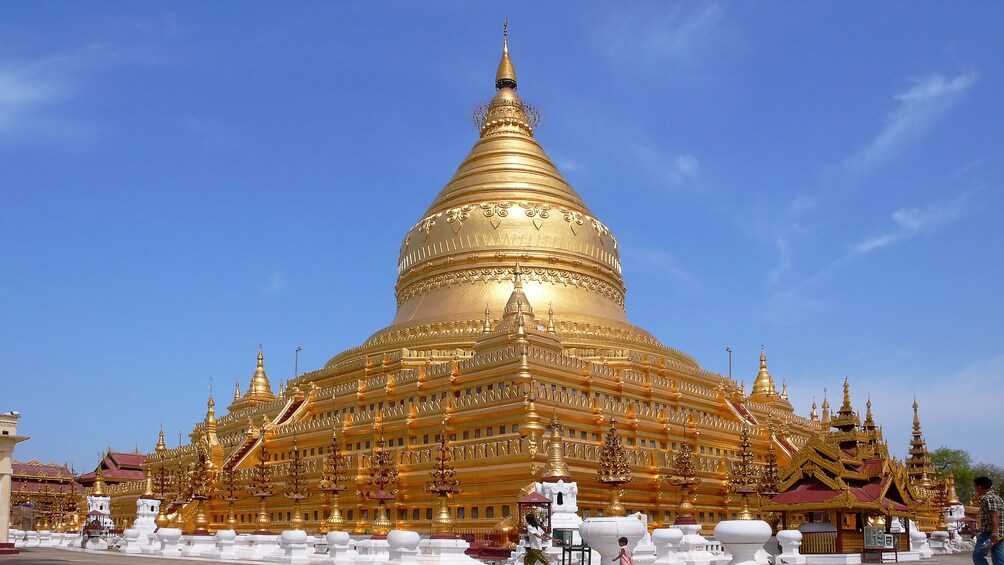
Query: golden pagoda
506, 238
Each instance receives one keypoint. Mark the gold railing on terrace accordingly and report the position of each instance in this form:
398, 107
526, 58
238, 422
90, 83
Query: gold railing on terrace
818, 542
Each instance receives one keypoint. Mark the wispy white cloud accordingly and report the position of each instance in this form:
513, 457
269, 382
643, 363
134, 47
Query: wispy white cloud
917, 111
671, 171
680, 37
568, 165
275, 283
801, 204
911, 222
784, 260
33, 94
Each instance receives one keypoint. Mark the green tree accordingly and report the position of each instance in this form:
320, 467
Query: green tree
995, 472
959, 463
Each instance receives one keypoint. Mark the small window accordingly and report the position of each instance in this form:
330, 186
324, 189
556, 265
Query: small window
474, 512
461, 513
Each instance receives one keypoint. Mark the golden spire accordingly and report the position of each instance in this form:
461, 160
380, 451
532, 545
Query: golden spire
531, 421
520, 330
846, 407
918, 466
550, 320
211, 412
813, 415
260, 388
784, 389
763, 386
99, 484
952, 497
557, 468
505, 77
161, 445
148, 492
826, 410
517, 303
237, 391
487, 327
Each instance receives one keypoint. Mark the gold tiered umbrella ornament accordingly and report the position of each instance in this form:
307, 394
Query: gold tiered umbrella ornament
228, 485
162, 490
443, 484
261, 487
181, 482
381, 473
744, 475
770, 480
200, 491
684, 475
297, 487
332, 482
614, 470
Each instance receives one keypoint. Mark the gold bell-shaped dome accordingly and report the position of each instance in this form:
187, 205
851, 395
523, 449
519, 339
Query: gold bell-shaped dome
507, 203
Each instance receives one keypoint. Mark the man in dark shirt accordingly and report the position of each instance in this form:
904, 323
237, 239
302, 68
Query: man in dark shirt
990, 523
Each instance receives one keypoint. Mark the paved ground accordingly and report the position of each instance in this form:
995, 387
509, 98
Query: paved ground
49, 556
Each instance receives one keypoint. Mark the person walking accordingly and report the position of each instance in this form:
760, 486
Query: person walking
624, 557
535, 537
990, 523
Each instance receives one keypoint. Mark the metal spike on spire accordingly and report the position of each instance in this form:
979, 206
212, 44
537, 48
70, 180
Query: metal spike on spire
505, 77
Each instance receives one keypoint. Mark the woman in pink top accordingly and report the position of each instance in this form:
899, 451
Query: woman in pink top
624, 557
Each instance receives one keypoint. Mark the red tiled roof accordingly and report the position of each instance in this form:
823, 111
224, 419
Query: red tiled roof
871, 464
125, 474
39, 486
805, 493
36, 469
128, 459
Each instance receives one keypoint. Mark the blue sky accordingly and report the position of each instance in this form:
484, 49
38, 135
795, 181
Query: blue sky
183, 181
